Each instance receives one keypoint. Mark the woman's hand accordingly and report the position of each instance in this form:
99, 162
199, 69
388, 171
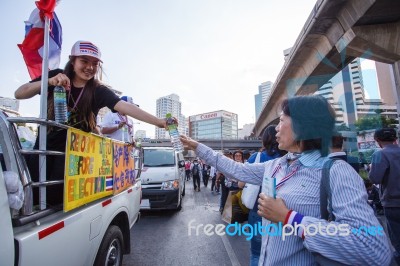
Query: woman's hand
189, 143
272, 209
121, 124
60, 80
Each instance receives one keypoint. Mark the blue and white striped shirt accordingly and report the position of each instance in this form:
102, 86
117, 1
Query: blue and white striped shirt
301, 193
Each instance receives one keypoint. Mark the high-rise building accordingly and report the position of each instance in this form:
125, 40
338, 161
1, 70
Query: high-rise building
214, 125
358, 91
264, 91
165, 105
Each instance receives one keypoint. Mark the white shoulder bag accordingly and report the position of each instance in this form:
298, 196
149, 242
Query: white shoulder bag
250, 192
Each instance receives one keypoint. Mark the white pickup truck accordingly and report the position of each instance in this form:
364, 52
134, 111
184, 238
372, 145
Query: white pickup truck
96, 232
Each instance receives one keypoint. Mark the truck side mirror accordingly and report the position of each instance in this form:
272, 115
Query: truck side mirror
181, 163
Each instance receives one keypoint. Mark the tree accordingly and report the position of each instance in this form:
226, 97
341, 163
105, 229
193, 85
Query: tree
343, 127
373, 122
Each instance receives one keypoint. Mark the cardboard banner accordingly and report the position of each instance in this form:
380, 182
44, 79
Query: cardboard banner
124, 167
88, 168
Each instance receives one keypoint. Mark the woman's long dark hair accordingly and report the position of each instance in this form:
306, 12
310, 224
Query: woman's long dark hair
270, 145
84, 115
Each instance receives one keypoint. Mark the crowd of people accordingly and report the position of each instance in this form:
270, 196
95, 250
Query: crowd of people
294, 154
306, 131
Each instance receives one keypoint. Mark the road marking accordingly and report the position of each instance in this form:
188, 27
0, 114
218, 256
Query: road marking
229, 250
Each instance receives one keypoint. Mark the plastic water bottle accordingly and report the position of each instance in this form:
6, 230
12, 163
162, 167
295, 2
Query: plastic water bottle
60, 105
173, 133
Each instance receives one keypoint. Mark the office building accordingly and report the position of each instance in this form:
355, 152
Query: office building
362, 88
140, 134
264, 91
169, 104
246, 131
214, 125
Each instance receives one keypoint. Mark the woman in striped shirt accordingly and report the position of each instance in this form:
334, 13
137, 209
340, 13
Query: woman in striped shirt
292, 229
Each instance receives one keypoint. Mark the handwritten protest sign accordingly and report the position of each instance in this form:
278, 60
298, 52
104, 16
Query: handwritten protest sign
88, 168
124, 167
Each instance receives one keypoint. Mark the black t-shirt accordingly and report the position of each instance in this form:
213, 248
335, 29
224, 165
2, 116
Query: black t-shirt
103, 96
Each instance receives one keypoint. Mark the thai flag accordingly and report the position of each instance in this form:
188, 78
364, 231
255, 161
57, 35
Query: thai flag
109, 183
88, 46
32, 46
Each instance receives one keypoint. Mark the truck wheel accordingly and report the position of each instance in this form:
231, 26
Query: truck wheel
111, 248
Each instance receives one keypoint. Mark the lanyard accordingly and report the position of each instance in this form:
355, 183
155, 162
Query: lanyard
286, 178
77, 100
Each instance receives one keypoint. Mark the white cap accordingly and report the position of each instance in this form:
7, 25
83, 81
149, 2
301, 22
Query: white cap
82, 48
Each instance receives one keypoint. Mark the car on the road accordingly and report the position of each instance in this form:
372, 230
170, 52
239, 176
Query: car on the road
163, 178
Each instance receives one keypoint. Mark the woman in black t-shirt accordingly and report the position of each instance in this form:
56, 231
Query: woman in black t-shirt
86, 95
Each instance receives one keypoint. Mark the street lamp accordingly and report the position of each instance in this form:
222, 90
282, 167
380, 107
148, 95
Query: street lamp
222, 142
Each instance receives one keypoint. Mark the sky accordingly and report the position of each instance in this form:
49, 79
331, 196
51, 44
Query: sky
212, 53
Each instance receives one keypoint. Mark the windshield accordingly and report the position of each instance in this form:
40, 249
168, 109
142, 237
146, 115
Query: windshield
157, 158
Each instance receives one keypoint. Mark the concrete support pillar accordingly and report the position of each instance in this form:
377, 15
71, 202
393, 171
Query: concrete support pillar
396, 88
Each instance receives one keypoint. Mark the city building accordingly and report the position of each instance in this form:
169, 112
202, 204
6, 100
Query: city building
264, 91
9, 103
165, 105
186, 132
363, 88
214, 125
246, 131
140, 134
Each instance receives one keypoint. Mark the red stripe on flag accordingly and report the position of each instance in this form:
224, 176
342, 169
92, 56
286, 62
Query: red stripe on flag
30, 51
32, 46
46, 7
50, 230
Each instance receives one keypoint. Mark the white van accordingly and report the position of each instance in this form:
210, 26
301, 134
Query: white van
163, 178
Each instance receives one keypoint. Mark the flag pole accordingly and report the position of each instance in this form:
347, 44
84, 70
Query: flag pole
43, 112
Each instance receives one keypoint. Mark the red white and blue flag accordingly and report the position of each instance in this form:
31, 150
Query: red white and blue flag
32, 46
88, 46
109, 183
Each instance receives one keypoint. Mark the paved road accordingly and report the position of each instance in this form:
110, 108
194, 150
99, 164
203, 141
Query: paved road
162, 237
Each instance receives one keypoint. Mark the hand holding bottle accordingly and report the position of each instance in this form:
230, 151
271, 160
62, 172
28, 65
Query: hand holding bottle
121, 124
60, 80
172, 125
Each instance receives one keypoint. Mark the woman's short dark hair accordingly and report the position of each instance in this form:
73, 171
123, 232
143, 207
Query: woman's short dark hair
313, 121
270, 145
238, 152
